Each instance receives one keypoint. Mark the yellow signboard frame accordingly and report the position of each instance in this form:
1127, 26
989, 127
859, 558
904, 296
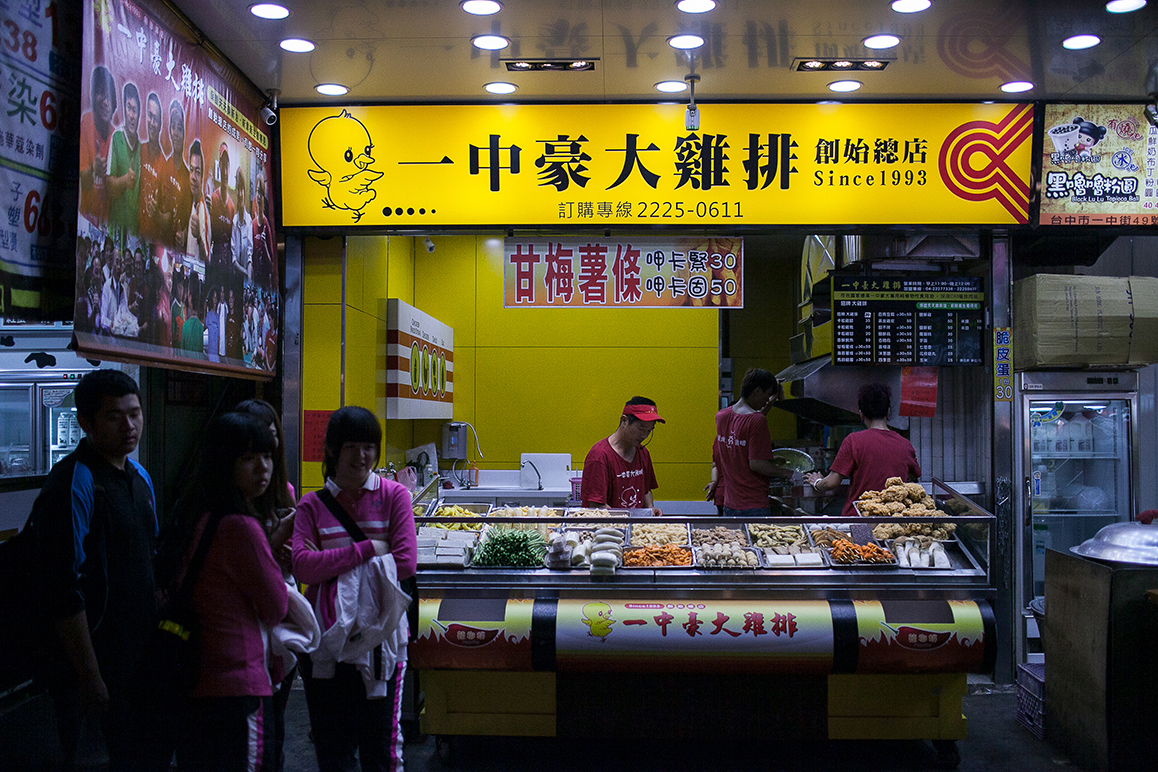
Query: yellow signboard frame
597, 166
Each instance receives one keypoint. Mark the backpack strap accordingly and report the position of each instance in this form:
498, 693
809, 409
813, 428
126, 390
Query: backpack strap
342, 516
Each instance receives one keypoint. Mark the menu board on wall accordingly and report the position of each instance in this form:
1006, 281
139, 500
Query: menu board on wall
176, 258
1098, 166
907, 321
419, 364
673, 272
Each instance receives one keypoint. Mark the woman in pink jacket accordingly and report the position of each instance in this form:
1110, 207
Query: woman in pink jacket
238, 595
353, 708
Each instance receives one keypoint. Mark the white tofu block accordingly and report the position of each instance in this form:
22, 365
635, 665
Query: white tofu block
774, 560
426, 530
426, 555
808, 559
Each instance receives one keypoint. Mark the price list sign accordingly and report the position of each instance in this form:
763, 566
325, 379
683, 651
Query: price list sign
907, 321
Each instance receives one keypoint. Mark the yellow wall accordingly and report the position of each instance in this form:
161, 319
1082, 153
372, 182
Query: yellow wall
529, 380
758, 333
377, 267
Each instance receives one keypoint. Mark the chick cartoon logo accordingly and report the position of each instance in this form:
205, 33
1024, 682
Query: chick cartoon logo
597, 617
340, 147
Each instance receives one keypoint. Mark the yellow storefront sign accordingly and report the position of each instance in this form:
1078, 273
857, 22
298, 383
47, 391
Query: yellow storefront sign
635, 165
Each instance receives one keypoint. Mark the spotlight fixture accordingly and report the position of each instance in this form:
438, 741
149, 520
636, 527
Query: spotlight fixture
841, 65
297, 45
1016, 86
671, 86
331, 89
1079, 42
559, 65
685, 42
1125, 6
910, 6
501, 87
696, 6
490, 42
881, 41
481, 7
269, 11
844, 85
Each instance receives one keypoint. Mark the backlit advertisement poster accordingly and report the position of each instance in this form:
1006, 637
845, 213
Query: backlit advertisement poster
176, 258
1098, 166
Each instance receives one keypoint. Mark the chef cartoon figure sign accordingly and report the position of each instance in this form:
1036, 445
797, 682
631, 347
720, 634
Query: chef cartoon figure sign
340, 147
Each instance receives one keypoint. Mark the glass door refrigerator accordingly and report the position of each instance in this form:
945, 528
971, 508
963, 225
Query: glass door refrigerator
17, 432
38, 424
1076, 452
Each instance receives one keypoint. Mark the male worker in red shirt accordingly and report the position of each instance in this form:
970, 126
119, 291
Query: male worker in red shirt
617, 472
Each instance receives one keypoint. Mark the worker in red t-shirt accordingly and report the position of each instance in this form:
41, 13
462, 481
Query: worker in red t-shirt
617, 472
742, 451
869, 457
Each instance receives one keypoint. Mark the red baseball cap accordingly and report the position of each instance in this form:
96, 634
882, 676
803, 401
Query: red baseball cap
643, 412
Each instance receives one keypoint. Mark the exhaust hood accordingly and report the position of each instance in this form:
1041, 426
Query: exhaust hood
822, 392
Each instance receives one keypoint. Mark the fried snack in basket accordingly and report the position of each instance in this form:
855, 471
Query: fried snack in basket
870, 496
894, 481
916, 491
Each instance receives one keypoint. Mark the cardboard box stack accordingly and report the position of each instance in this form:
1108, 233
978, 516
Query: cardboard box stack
1083, 321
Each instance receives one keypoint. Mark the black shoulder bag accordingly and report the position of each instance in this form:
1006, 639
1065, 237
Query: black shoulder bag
172, 657
409, 586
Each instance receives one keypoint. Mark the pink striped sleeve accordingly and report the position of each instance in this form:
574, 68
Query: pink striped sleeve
313, 566
403, 539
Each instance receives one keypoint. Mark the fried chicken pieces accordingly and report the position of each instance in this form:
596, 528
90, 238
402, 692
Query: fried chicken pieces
901, 499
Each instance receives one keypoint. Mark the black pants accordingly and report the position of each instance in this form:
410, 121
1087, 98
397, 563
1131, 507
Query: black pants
136, 738
227, 734
344, 721
280, 702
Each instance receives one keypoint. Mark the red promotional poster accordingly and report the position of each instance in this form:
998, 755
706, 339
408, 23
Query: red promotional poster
176, 261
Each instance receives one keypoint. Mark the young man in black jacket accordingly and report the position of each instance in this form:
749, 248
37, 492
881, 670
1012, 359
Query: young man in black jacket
96, 528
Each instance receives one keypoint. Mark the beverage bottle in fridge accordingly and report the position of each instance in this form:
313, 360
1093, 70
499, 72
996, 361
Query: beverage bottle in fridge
1082, 435
1042, 540
1061, 440
74, 431
1037, 438
62, 429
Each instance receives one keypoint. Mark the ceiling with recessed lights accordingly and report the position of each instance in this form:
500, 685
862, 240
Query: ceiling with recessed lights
369, 51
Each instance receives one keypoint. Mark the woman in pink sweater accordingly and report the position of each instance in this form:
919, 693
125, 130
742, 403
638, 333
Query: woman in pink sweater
353, 707
238, 595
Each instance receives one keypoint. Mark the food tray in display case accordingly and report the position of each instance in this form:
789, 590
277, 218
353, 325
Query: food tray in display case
684, 550
474, 514
719, 534
713, 558
641, 534
776, 562
826, 537
587, 512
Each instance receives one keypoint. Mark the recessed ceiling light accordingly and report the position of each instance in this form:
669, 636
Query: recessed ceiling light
844, 85
696, 6
331, 89
1078, 42
872, 64
1124, 6
269, 11
843, 64
671, 86
579, 64
1016, 86
490, 42
881, 41
481, 7
685, 42
297, 45
519, 66
500, 87
910, 6
813, 65
828, 102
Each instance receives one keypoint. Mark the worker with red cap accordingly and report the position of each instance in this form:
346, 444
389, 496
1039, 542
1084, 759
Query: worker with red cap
617, 472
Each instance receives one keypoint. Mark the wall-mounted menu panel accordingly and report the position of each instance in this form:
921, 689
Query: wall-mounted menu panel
932, 322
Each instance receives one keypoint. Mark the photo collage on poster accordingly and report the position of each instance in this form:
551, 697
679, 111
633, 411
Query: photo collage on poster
176, 252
